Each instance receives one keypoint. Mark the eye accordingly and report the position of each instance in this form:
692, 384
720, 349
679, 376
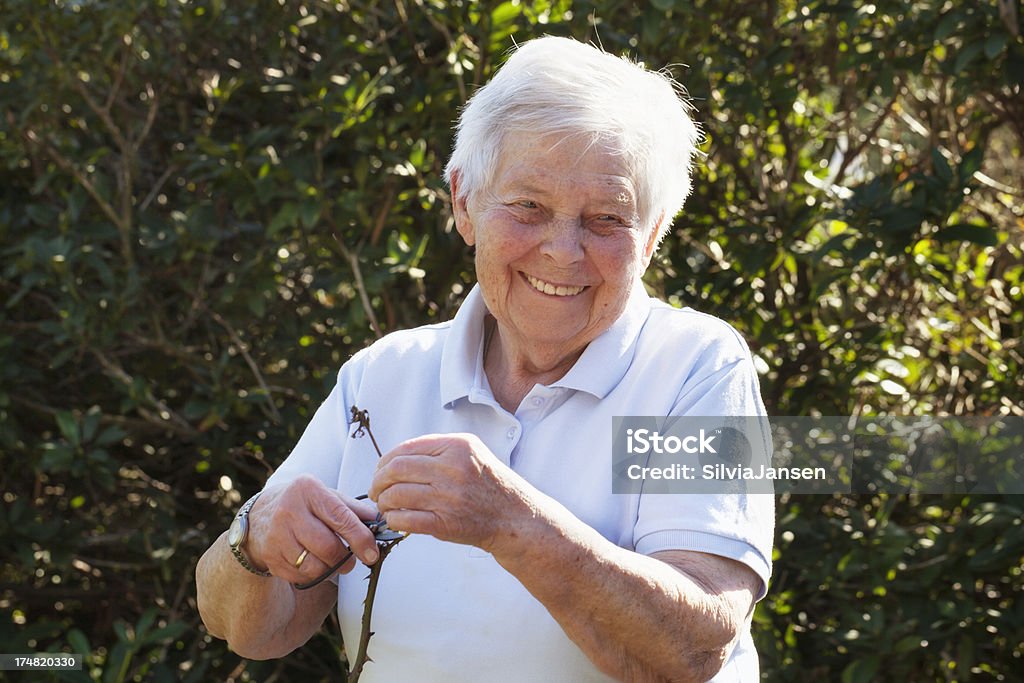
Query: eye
610, 219
609, 224
526, 204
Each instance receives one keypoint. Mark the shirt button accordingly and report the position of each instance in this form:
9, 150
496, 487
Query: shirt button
511, 433
537, 401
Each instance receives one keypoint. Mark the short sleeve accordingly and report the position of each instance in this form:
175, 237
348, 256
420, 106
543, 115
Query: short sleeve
739, 526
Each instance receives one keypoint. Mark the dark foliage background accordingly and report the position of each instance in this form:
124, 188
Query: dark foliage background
206, 207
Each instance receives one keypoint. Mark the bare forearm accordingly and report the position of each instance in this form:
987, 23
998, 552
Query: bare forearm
635, 617
256, 615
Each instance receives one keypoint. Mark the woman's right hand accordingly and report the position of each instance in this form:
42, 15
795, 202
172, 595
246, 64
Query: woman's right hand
303, 514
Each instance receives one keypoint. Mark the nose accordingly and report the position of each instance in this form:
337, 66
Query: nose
563, 241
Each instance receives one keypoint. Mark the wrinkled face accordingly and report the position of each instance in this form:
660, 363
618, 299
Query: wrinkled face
558, 242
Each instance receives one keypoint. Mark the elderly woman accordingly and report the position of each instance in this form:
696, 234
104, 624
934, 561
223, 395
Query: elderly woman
522, 564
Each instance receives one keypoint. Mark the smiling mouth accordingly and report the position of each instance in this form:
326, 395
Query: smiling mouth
554, 290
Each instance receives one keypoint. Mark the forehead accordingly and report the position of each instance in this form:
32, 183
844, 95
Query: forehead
553, 163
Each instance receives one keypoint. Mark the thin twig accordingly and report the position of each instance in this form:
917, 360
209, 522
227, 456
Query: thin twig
363, 296
453, 45
166, 418
356, 670
86, 184
404, 17
244, 350
869, 136
102, 111
150, 118
362, 419
129, 148
353, 260
382, 214
129, 424
118, 78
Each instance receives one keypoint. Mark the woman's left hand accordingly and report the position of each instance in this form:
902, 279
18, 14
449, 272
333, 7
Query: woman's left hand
452, 487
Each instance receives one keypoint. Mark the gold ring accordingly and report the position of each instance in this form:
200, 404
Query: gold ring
301, 558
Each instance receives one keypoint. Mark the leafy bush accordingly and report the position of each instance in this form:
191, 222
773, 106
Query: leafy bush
205, 209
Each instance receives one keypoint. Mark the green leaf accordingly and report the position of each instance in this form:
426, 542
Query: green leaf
62, 357
970, 164
907, 644
78, 642
44, 216
966, 56
947, 26
967, 232
169, 632
862, 670
41, 182
821, 284
257, 304
116, 669
111, 435
76, 200
121, 630
995, 44
89, 424
310, 213
68, 426
286, 217
506, 12
27, 283
941, 166
144, 622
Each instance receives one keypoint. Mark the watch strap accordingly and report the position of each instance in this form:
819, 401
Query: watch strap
236, 550
244, 561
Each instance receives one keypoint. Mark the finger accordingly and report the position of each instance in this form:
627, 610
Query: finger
343, 521
324, 546
366, 510
413, 522
418, 469
285, 521
408, 496
286, 566
313, 568
428, 444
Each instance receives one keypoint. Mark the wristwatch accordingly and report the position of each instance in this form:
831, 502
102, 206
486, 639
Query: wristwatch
238, 532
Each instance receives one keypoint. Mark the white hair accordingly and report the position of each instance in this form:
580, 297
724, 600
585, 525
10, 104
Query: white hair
559, 85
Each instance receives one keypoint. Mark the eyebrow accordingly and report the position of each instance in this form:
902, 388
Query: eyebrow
527, 187
623, 193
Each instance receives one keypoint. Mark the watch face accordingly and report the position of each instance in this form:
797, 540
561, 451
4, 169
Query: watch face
236, 532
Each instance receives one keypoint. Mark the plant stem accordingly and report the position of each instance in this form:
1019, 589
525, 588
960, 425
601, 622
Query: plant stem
356, 669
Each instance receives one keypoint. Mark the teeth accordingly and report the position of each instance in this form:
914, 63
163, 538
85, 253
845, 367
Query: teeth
549, 288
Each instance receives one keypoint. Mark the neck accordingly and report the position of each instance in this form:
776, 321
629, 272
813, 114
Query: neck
512, 370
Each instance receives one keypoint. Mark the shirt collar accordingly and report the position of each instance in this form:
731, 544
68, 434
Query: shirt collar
461, 363
599, 369
606, 359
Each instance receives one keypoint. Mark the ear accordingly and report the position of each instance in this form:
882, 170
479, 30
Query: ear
460, 212
652, 240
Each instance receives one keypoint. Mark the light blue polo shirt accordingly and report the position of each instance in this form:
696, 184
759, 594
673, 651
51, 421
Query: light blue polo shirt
448, 612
